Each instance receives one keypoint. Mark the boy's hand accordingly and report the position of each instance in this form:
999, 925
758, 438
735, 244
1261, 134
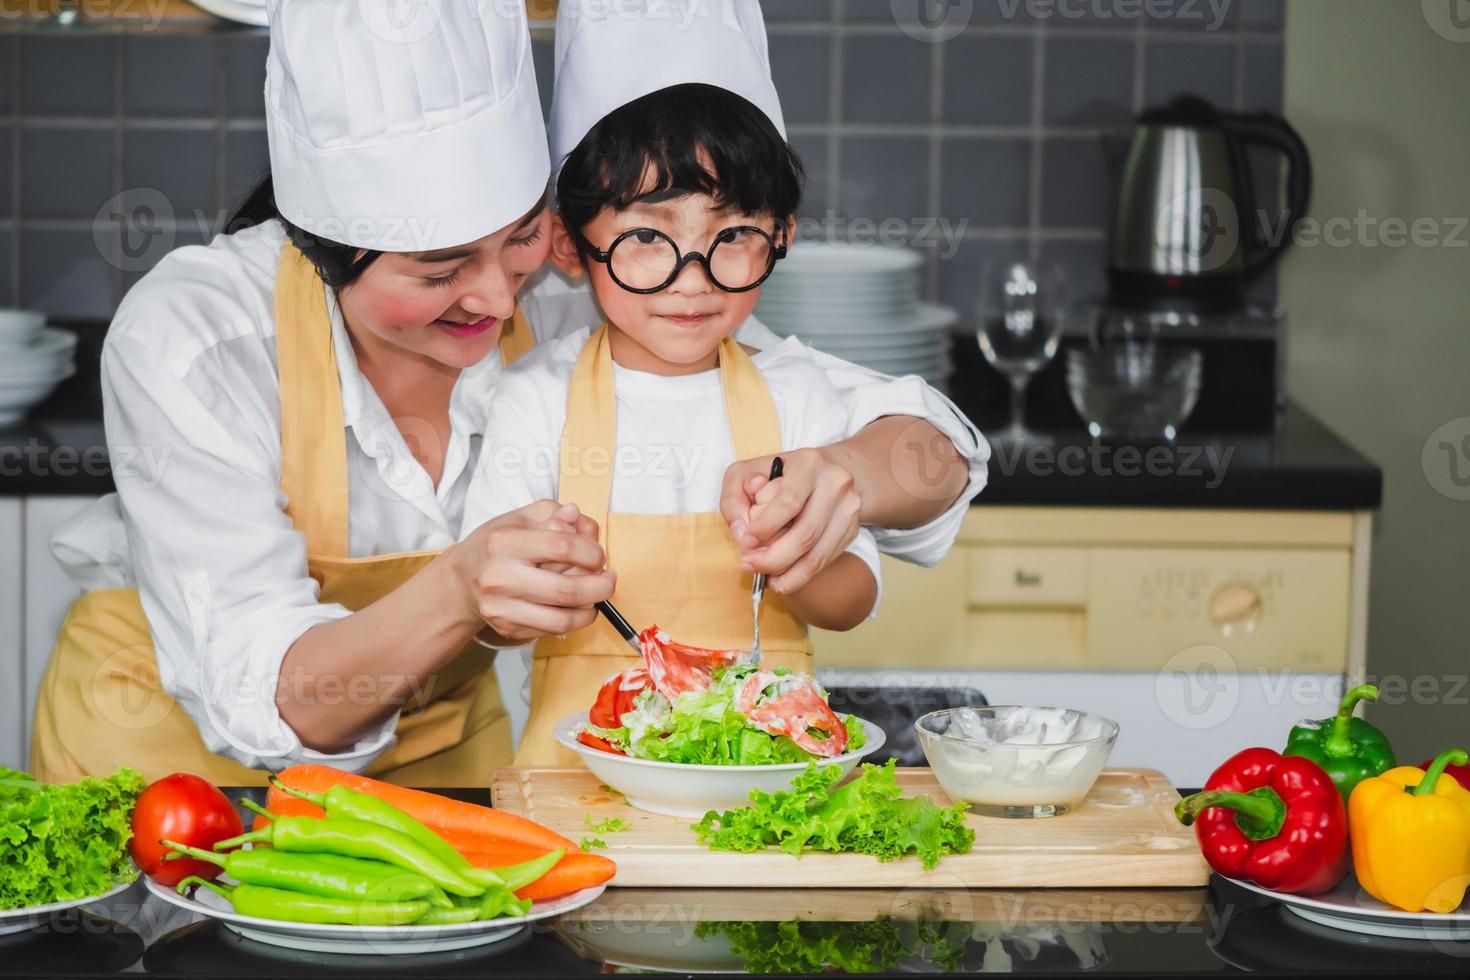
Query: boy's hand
794, 527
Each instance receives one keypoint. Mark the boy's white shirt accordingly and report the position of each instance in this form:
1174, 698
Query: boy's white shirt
673, 439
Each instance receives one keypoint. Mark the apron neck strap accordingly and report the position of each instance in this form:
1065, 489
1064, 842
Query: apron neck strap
313, 433
589, 439
313, 430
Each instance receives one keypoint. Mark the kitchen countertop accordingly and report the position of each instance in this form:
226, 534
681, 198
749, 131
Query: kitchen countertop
1159, 932
1301, 465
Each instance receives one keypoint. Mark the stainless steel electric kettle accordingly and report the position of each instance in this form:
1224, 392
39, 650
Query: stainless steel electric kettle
1188, 230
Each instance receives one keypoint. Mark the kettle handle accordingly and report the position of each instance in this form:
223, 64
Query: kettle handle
1264, 129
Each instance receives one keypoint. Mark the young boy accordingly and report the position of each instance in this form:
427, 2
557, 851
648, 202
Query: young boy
677, 205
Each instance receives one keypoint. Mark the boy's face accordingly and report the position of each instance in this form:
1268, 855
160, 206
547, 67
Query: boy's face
678, 329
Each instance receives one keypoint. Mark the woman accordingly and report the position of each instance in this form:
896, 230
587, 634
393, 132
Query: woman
285, 585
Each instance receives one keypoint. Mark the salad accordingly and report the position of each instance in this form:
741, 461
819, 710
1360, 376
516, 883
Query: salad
714, 707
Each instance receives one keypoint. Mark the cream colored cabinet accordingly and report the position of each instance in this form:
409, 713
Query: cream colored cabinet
1109, 589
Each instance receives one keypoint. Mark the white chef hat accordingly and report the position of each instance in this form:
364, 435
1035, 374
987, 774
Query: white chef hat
612, 52
403, 125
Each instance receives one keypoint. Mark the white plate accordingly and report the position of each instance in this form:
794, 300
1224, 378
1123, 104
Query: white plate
243, 11
1349, 908
683, 790
929, 319
853, 260
19, 920
370, 940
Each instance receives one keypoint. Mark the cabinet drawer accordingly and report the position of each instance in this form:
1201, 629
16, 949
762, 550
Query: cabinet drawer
1027, 576
1264, 608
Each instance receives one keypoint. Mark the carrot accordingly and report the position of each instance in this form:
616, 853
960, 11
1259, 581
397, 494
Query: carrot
451, 818
572, 873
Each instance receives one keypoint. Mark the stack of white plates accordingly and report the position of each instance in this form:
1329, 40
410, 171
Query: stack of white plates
34, 359
860, 303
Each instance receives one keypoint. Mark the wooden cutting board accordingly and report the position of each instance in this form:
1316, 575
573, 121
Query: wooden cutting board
1123, 836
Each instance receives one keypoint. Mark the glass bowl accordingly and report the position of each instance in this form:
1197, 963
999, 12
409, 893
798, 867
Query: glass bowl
1133, 389
1013, 761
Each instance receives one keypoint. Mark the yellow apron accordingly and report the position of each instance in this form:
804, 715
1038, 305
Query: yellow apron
101, 704
680, 571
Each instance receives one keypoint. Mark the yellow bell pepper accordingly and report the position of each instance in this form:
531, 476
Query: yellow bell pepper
1410, 834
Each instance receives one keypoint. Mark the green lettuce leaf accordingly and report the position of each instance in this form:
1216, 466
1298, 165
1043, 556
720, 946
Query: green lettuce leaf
800, 947
67, 841
867, 815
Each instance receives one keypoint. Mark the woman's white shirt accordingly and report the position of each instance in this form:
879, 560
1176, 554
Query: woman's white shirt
192, 402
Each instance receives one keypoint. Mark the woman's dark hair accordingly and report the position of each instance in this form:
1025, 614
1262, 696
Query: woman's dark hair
747, 164
339, 265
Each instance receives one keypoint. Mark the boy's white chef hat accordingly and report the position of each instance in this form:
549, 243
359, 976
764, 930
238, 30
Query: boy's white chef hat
403, 126
611, 52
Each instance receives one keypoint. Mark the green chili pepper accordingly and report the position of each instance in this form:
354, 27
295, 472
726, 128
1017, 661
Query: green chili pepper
346, 802
438, 897
500, 902
518, 876
354, 878
276, 903
450, 917
1348, 749
359, 839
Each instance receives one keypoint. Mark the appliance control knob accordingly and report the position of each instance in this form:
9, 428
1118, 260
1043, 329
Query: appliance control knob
1234, 605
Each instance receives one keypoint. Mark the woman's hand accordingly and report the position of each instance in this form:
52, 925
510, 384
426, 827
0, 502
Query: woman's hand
793, 527
534, 572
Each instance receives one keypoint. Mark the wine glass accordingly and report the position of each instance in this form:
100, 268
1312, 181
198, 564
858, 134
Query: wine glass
1023, 307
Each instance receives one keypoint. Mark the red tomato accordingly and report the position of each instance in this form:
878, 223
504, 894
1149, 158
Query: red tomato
185, 808
616, 697
587, 738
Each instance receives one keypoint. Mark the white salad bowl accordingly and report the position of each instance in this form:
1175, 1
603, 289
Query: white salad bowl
683, 790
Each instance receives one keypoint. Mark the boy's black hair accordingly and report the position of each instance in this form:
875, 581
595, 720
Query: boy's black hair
750, 167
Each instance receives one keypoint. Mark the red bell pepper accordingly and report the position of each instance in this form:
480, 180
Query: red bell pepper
1277, 821
1461, 774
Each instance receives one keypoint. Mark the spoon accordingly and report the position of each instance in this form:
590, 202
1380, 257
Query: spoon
758, 587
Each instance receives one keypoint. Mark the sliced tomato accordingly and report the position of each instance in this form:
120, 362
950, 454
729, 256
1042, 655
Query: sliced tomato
616, 697
675, 668
587, 738
796, 710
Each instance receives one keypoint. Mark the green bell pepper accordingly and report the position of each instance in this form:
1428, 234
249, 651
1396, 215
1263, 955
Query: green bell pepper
1347, 748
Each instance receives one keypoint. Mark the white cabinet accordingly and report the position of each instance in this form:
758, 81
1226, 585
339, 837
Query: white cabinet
13, 709
34, 594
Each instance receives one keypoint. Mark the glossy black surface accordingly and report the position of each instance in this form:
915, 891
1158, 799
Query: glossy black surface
686, 931
1300, 464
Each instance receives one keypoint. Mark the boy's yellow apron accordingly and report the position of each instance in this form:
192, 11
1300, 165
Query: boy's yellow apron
679, 571
100, 703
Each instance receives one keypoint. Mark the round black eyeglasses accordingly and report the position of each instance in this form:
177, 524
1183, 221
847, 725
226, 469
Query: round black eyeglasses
645, 260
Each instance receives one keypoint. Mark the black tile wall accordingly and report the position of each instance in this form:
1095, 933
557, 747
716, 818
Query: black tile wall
989, 81
985, 116
245, 77
169, 76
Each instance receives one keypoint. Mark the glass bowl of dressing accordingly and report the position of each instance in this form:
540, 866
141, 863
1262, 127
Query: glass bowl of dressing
1014, 761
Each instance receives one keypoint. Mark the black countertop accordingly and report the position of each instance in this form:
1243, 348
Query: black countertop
1044, 932
1298, 464
1301, 465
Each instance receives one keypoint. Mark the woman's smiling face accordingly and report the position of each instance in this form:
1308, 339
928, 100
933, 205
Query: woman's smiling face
448, 305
